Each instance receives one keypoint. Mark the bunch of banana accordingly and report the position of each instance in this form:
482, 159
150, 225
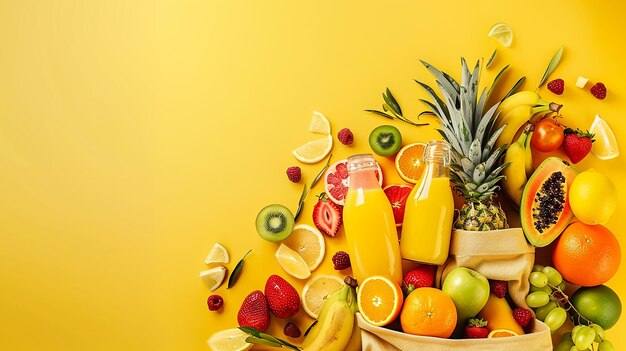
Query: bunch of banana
520, 159
336, 328
518, 109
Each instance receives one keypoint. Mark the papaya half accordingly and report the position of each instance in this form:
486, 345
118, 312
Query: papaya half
544, 210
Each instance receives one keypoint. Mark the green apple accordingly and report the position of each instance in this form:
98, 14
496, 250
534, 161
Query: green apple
469, 290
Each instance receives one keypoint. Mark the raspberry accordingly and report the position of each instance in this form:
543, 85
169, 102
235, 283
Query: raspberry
215, 302
294, 174
557, 86
499, 287
522, 316
341, 260
292, 330
345, 136
598, 90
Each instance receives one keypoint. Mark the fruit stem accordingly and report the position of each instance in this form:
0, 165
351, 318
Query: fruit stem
572, 312
555, 107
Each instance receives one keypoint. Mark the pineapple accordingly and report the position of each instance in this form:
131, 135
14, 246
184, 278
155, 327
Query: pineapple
467, 125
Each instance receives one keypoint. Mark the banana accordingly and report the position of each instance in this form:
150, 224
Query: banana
529, 155
355, 339
525, 97
335, 329
515, 173
315, 330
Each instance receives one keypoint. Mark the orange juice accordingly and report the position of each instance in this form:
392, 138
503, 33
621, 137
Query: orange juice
429, 210
369, 224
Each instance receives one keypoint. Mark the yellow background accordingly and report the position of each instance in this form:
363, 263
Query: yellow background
135, 134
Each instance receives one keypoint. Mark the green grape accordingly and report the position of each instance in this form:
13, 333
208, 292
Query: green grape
606, 346
556, 318
538, 279
545, 289
565, 345
554, 277
537, 299
573, 348
543, 311
563, 285
576, 329
600, 334
584, 338
537, 268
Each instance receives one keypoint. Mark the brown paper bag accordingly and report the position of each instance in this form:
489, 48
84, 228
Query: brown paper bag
382, 339
498, 255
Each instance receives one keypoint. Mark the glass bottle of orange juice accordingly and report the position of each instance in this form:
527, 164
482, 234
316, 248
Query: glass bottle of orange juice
369, 223
429, 210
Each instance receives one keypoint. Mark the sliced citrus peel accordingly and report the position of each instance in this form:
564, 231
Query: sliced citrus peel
605, 144
502, 33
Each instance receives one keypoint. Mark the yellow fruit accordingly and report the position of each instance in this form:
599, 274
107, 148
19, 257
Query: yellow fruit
501, 333
314, 151
309, 243
218, 254
213, 277
502, 33
593, 197
319, 124
292, 263
316, 290
379, 300
229, 340
605, 144
499, 315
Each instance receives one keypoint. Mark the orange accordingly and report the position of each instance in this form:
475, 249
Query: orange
409, 162
428, 312
379, 300
586, 255
501, 333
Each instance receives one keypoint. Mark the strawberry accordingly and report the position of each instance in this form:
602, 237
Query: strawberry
522, 316
498, 287
476, 329
556, 86
254, 312
282, 297
577, 144
327, 216
422, 276
599, 91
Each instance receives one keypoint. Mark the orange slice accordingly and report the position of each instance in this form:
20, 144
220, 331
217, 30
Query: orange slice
409, 162
379, 300
501, 333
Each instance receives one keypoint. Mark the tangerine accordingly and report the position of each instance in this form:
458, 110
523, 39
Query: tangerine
586, 255
379, 300
428, 312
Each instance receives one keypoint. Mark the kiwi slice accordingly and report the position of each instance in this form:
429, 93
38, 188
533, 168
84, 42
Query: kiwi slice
385, 140
274, 223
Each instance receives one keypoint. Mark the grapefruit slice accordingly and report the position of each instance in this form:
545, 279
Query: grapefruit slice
397, 195
337, 180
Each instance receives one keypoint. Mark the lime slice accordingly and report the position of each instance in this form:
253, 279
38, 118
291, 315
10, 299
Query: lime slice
229, 340
314, 151
213, 277
502, 33
309, 243
605, 144
292, 263
319, 124
218, 254
316, 290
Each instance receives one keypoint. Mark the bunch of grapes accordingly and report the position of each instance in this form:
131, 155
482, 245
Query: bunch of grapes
551, 306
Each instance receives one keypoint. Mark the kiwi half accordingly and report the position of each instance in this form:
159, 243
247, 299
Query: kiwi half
385, 140
274, 223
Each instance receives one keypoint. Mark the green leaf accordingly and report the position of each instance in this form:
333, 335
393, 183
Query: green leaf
237, 271
321, 173
380, 113
495, 82
515, 88
277, 340
391, 101
491, 58
260, 341
305, 193
551, 66
250, 330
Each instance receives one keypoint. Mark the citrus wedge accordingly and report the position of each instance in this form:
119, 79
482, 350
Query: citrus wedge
379, 300
316, 290
218, 254
314, 151
605, 145
501, 333
502, 33
309, 243
291, 262
319, 124
229, 340
213, 277
409, 163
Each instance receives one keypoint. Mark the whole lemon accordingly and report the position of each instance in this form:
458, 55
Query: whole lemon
593, 197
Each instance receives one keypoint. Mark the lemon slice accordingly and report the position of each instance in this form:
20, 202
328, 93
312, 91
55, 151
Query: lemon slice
605, 144
319, 124
292, 263
316, 290
309, 243
502, 33
214, 277
218, 254
229, 340
314, 151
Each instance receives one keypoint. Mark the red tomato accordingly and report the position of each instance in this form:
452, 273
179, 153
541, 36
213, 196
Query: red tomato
548, 135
